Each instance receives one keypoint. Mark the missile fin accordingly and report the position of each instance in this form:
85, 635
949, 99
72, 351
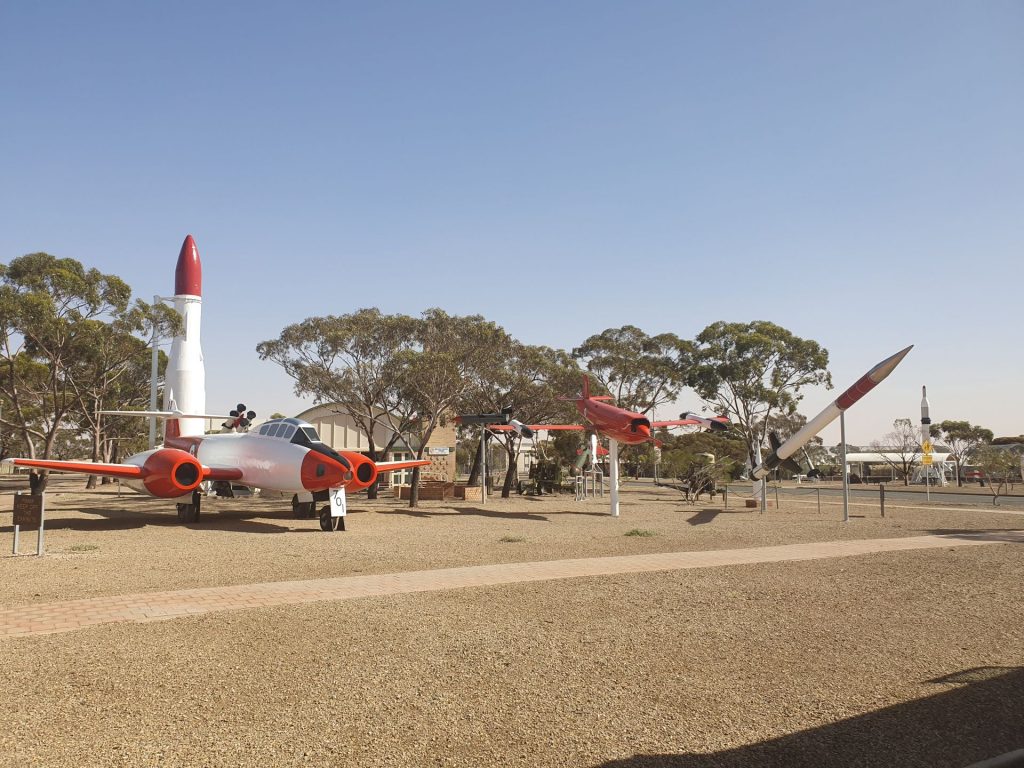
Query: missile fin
792, 466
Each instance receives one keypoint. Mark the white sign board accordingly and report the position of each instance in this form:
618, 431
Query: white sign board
338, 506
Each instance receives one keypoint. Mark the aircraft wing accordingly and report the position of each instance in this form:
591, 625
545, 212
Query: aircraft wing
388, 466
167, 414
128, 471
715, 423
535, 427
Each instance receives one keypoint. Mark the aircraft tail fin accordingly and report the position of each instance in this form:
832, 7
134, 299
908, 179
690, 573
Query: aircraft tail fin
585, 394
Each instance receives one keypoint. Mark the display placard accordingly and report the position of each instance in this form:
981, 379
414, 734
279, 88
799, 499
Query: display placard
28, 510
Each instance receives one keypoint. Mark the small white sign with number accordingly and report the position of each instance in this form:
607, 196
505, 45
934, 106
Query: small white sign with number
338, 507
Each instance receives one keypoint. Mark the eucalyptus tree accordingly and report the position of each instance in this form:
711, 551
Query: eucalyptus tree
52, 312
531, 380
754, 371
1002, 465
113, 372
962, 438
641, 372
351, 362
450, 353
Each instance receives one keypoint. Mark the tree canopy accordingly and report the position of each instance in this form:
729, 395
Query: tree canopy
962, 438
350, 361
66, 344
641, 372
753, 371
529, 380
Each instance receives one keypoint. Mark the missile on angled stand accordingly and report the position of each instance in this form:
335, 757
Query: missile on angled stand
712, 425
861, 387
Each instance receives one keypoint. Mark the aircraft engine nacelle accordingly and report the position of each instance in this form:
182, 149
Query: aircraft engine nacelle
364, 471
169, 473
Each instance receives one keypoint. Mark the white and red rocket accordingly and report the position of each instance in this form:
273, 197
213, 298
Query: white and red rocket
783, 451
283, 455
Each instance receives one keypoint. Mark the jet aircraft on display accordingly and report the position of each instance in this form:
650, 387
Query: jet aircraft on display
618, 425
285, 455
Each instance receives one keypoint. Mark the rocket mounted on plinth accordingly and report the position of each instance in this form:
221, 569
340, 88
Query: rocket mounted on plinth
926, 431
185, 379
782, 453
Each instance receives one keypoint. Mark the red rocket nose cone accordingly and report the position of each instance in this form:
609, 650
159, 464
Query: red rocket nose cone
188, 275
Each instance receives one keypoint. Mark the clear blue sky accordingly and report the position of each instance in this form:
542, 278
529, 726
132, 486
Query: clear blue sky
851, 171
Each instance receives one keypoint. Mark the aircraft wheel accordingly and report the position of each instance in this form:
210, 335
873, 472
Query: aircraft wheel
329, 523
188, 513
298, 508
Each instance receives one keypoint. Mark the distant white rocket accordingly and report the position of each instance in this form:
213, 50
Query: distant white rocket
185, 380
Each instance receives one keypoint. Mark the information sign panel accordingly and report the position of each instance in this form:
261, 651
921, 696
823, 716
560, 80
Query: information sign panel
28, 510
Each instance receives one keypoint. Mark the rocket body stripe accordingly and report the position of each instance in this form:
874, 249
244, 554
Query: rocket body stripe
863, 385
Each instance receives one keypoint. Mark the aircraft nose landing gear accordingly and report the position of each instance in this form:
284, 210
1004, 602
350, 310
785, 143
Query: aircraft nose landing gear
329, 522
332, 517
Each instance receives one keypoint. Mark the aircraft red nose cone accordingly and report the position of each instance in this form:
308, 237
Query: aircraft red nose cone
319, 472
188, 275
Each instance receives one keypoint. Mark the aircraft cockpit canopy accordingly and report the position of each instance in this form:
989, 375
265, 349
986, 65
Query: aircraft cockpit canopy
293, 430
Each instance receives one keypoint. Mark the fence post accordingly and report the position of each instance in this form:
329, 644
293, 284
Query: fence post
881, 496
776, 497
725, 495
818, 491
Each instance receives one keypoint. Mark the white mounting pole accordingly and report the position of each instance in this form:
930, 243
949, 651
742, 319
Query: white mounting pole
483, 463
613, 460
152, 384
846, 471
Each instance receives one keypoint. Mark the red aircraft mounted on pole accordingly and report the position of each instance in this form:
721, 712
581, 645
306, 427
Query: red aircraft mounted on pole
618, 425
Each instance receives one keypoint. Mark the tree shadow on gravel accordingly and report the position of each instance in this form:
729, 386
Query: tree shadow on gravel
457, 511
977, 717
704, 517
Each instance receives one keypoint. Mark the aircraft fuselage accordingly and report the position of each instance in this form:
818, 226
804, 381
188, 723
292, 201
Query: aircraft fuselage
616, 423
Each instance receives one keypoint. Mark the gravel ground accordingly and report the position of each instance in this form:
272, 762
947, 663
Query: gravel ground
907, 659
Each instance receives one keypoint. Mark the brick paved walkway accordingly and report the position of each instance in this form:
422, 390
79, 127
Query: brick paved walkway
48, 618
